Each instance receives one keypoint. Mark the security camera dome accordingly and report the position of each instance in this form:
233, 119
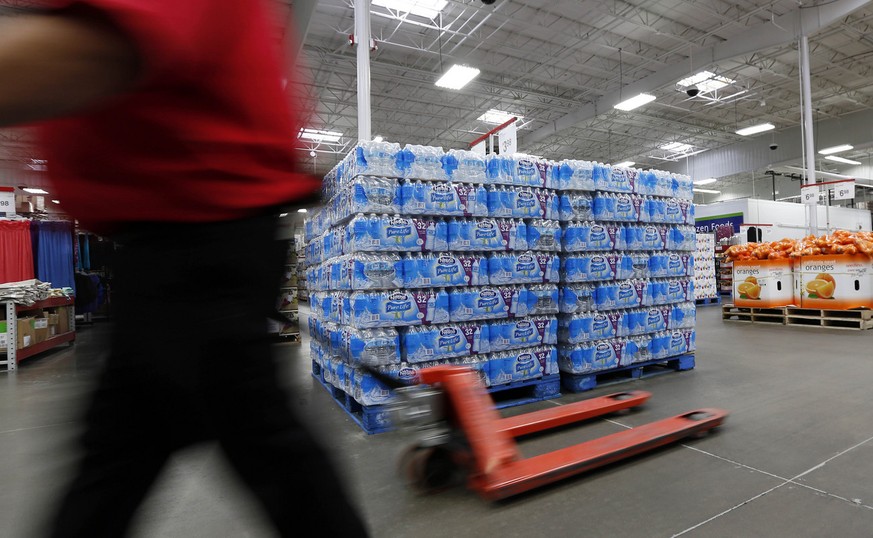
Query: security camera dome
693, 91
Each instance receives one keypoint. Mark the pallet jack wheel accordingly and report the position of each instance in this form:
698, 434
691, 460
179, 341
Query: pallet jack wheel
429, 469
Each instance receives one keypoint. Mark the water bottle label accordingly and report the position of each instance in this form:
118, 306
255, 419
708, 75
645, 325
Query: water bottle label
398, 227
398, 302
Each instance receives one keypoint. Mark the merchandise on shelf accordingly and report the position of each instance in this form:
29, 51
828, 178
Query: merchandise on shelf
705, 286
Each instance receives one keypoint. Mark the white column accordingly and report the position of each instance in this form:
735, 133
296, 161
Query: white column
808, 141
362, 40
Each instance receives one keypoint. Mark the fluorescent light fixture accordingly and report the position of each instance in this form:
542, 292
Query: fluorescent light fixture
422, 8
283, 215
706, 81
677, 147
321, 136
708, 181
302, 210
498, 117
836, 159
56, 202
378, 139
40, 191
457, 77
836, 149
755, 129
635, 102
707, 191
625, 164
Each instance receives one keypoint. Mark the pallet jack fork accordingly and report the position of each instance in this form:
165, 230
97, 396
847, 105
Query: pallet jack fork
466, 432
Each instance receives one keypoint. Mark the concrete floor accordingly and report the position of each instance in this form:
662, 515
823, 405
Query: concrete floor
794, 459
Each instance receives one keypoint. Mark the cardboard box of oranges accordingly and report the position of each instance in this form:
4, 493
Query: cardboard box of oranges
764, 283
839, 282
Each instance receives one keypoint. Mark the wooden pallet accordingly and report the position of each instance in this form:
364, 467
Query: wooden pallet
640, 370
743, 314
856, 320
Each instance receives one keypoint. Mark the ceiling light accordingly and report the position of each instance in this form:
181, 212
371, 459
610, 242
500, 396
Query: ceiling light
321, 136
635, 102
378, 139
678, 147
755, 129
841, 160
40, 191
836, 149
498, 117
706, 81
707, 191
625, 164
56, 201
302, 210
708, 181
422, 8
283, 215
312, 153
457, 77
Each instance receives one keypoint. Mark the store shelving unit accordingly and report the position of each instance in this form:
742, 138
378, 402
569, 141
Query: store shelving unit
289, 328
724, 271
11, 354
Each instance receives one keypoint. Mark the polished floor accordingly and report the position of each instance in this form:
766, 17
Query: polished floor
795, 458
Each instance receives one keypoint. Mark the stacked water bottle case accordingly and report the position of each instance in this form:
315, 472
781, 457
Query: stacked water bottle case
424, 257
627, 288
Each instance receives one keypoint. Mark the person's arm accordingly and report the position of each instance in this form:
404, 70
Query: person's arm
57, 64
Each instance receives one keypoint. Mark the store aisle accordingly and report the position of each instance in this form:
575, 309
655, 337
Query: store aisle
794, 459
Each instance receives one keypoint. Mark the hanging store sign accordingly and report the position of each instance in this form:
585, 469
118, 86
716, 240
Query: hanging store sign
7, 200
843, 189
508, 139
481, 148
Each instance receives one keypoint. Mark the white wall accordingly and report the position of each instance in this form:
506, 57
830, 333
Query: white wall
788, 219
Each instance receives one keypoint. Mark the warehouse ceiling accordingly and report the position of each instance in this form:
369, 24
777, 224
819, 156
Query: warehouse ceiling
553, 62
562, 64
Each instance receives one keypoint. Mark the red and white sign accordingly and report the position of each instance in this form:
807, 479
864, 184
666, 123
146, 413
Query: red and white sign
843, 189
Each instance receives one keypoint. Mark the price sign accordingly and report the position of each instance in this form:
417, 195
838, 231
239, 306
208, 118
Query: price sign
508, 138
809, 195
844, 190
7, 200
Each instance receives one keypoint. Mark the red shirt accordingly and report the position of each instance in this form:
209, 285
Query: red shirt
206, 135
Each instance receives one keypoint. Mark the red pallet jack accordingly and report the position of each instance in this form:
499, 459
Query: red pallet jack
463, 435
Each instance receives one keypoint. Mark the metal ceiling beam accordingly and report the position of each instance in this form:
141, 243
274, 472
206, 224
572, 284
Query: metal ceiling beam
783, 30
299, 17
754, 154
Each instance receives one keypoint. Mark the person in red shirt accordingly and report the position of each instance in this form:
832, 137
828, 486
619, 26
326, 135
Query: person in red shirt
165, 125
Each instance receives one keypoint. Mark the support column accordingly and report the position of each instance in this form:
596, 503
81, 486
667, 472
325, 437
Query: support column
808, 140
362, 42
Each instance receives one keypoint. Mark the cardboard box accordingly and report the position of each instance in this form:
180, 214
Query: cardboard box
26, 335
40, 330
764, 283
838, 282
63, 313
53, 320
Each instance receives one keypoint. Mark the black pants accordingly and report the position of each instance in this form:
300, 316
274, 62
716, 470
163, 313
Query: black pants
190, 361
